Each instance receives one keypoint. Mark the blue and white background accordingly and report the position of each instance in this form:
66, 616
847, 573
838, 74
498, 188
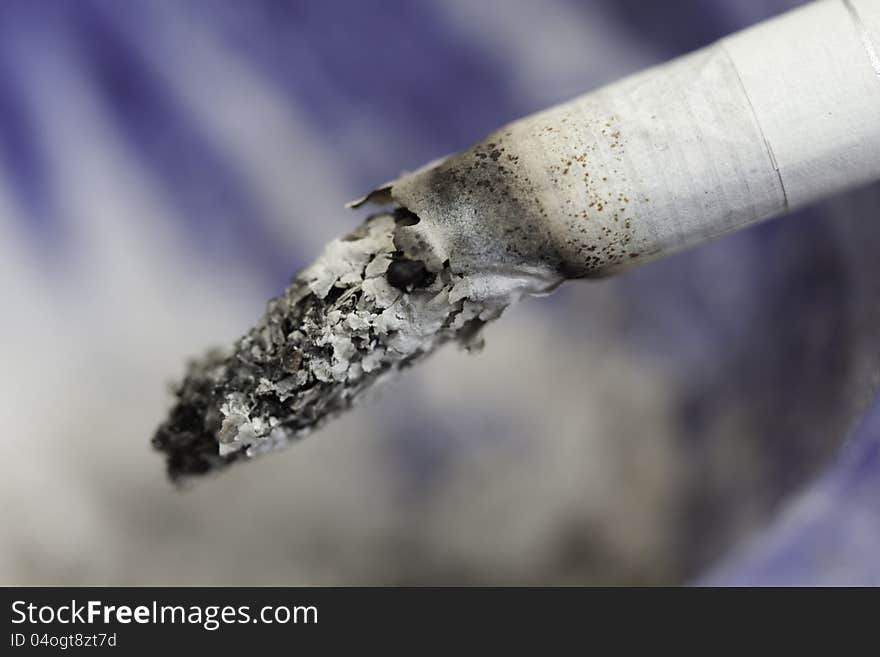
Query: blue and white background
166, 166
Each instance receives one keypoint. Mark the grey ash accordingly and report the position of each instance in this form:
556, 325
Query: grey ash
362, 311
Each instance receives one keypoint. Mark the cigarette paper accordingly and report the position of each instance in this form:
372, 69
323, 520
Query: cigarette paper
761, 122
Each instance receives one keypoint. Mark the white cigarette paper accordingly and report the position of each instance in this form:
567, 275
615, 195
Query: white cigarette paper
763, 121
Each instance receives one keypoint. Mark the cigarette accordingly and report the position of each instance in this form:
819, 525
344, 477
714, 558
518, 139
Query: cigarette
764, 121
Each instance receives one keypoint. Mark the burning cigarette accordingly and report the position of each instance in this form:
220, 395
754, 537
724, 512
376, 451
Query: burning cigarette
762, 122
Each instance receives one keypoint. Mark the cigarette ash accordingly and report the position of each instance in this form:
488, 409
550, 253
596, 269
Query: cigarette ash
365, 309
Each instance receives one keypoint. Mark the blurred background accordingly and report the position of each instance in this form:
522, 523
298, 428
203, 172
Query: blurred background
166, 166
